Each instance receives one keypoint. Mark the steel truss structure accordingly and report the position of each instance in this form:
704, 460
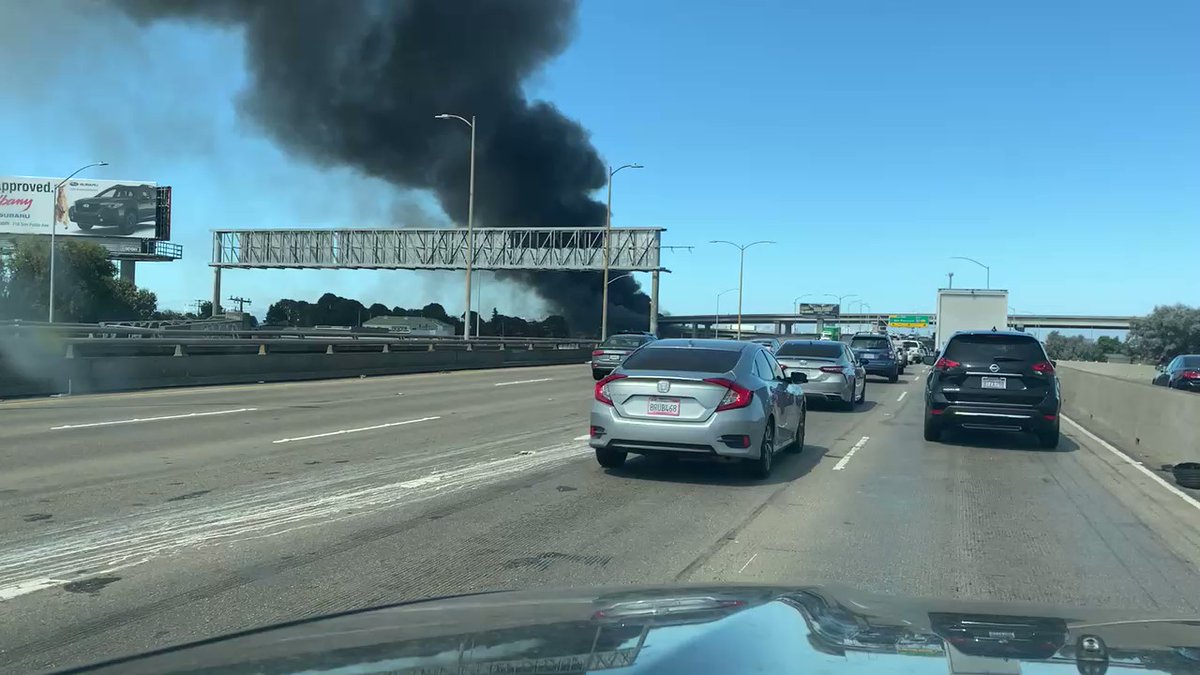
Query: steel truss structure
532, 248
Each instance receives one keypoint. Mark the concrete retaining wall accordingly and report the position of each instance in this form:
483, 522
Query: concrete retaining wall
1155, 424
1126, 371
97, 374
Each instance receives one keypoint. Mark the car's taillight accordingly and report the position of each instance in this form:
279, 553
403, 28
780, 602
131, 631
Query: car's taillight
737, 396
1043, 367
602, 394
945, 364
597, 352
831, 369
1190, 374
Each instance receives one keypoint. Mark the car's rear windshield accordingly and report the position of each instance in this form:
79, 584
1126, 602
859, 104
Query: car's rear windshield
869, 343
630, 341
682, 358
988, 348
822, 350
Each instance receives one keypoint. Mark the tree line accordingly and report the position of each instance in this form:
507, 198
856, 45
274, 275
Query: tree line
1161, 335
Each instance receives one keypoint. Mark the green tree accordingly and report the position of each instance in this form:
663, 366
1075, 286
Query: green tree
85, 285
1168, 331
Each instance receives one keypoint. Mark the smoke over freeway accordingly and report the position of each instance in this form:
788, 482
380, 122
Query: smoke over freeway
358, 84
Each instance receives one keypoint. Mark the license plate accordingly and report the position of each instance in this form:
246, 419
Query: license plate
993, 383
664, 407
610, 357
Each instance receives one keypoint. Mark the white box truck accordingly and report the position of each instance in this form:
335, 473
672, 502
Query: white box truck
969, 309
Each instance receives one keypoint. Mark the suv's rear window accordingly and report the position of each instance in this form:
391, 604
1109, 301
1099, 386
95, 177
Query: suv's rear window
823, 350
869, 343
626, 341
682, 358
988, 348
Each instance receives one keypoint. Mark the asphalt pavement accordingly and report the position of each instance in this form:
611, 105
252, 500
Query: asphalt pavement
134, 521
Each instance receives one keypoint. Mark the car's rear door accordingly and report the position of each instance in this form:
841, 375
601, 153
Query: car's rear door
995, 369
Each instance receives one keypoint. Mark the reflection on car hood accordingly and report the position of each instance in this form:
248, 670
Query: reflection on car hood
697, 629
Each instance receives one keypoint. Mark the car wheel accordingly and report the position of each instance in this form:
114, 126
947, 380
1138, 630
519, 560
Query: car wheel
597, 375
761, 468
894, 377
84, 226
933, 428
1048, 440
610, 459
798, 441
130, 224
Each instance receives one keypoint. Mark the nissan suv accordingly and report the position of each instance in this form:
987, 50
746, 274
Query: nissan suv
994, 380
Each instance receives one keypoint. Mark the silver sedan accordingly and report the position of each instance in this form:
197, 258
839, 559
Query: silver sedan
832, 369
699, 398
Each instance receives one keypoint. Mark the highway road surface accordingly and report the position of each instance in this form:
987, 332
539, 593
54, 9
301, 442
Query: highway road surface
134, 521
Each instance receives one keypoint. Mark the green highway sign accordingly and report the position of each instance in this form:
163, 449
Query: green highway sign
909, 320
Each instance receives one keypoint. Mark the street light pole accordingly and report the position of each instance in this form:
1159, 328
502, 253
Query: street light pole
470, 219
608, 247
986, 269
54, 231
741, 272
717, 317
796, 302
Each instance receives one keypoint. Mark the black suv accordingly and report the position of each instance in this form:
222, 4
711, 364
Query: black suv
998, 380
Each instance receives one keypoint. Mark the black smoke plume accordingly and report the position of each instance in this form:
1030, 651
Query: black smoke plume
358, 82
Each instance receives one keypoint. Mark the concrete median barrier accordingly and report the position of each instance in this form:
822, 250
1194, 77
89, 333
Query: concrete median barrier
55, 375
1154, 424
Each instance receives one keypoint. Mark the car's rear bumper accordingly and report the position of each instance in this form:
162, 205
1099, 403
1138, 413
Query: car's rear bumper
679, 438
887, 370
1187, 385
604, 366
997, 417
837, 388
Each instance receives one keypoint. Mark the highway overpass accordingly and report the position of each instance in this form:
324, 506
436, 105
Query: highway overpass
789, 323
133, 521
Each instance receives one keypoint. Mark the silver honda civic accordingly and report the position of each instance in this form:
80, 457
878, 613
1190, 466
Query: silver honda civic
699, 398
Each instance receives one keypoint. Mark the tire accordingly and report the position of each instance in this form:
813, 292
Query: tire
761, 468
84, 226
597, 375
933, 429
797, 445
847, 405
610, 459
894, 377
1048, 440
130, 224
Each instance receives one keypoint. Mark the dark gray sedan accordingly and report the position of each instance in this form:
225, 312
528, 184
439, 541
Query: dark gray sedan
612, 351
1183, 372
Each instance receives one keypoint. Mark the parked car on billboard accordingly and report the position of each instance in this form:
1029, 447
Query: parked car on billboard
124, 207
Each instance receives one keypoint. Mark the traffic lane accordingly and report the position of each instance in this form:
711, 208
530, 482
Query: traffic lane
19, 418
978, 516
247, 419
74, 474
563, 523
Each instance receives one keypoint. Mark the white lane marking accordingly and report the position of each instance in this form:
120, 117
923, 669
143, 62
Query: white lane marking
901, 397
339, 432
54, 556
138, 420
1132, 462
846, 460
748, 563
582, 438
540, 379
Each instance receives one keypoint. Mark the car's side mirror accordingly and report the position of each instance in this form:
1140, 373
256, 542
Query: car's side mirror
929, 360
797, 378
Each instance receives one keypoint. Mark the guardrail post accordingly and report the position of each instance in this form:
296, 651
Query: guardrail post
70, 352
179, 351
430, 346
468, 346
262, 349
328, 349
530, 346
385, 348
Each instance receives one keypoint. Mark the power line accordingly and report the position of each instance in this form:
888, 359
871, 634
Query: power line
241, 302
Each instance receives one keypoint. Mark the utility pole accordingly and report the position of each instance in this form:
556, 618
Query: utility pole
195, 305
241, 302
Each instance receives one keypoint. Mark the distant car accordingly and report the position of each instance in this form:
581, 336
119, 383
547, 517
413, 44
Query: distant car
772, 344
832, 371
913, 351
610, 352
997, 380
901, 354
699, 398
120, 206
877, 354
1182, 372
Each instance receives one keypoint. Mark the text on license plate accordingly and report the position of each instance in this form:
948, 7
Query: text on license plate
993, 383
667, 407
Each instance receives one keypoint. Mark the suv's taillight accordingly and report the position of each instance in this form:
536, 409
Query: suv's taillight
1043, 367
602, 394
945, 364
737, 396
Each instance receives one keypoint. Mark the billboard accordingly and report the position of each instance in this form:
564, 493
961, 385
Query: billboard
82, 207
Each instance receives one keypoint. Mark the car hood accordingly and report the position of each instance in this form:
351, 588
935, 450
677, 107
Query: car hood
695, 629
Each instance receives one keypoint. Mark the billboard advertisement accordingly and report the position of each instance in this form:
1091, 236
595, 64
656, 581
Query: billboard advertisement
82, 207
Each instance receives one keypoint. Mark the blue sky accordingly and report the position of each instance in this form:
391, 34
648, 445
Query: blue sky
1058, 142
